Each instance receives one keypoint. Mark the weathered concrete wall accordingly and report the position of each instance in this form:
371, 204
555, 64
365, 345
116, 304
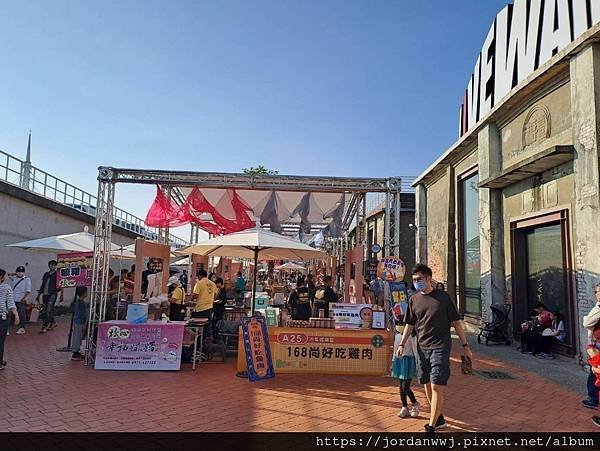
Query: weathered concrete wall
22, 220
421, 223
467, 163
585, 101
491, 232
545, 123
437, 227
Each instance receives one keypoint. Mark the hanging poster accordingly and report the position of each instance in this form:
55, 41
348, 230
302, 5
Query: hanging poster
391, 269
74, 269
258, 350
155, 265
372, 269
398, 299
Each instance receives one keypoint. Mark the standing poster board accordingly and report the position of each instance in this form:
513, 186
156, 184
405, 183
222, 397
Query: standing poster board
152, 346
74, 269
398, 299
257, 347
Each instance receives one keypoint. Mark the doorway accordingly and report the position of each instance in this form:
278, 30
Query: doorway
541, 270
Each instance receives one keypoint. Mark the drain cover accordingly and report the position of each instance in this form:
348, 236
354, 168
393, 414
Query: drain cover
495, 375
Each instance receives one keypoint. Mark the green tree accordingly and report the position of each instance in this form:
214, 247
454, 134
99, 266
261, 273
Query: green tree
259, 170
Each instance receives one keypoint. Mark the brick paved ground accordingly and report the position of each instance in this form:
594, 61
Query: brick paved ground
43, 390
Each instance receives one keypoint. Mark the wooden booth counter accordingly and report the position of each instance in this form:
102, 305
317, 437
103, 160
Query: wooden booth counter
365, 352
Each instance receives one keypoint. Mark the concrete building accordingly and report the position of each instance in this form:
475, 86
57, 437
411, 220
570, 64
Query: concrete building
511, 213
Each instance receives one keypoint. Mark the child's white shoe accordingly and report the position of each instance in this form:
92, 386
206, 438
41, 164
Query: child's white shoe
403, 412
414, 410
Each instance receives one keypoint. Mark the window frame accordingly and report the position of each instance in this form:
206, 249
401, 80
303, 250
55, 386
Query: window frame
460, 180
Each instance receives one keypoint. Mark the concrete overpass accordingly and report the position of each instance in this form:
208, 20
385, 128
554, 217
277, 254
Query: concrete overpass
35, 204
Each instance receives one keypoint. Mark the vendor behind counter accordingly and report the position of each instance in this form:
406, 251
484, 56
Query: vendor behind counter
325, 296
299, 301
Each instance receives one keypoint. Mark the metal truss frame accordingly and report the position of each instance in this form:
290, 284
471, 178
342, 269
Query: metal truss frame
243, 181
101, 260
172, 181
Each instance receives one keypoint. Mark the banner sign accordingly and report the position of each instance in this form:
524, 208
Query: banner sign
74, 269
351, 316
398, 299
328, 351
391, 269
258, 350
151, 346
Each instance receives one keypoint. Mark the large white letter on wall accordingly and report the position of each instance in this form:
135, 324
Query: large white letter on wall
524, 36
487, 73
473, 95
556, 29
518, 48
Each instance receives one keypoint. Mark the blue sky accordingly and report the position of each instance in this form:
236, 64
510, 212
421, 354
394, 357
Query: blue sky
317, 87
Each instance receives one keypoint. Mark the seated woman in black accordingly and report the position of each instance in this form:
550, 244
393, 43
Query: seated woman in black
299, 302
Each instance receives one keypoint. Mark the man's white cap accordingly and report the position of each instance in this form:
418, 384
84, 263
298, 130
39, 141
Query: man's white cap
173, 280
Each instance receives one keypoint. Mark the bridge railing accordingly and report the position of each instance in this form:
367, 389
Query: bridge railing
19, 173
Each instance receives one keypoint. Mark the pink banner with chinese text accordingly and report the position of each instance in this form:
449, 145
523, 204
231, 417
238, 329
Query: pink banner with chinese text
152, 346
74, 269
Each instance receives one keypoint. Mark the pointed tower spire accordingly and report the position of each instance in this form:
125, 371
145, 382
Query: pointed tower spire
26, 167
28, 157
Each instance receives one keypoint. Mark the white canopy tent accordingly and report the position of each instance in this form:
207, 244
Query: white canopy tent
291, 207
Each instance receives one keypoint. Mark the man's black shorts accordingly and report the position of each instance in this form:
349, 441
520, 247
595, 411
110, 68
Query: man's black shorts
433, 365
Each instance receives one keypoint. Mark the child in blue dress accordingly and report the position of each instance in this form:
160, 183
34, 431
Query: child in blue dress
405, 369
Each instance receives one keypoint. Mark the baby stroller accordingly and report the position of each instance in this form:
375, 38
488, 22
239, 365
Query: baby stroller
494, 330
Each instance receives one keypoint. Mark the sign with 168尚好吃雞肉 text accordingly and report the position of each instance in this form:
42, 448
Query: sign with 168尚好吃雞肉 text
327, 351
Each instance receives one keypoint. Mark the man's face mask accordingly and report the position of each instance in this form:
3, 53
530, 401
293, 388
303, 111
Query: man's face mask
419, 283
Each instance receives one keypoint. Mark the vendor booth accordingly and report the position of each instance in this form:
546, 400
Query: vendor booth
327, 351
291, 211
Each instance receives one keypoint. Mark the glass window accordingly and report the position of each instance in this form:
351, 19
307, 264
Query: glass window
545, 269
470, 251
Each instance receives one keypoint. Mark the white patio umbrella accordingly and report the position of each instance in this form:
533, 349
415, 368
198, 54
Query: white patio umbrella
289, 266
128, 252
257, 244
183, 262
72, 242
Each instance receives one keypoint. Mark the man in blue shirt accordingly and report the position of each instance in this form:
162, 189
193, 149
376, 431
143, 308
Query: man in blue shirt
240, 287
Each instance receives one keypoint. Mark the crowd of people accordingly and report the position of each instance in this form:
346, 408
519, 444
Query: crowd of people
422, 342
15, 296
